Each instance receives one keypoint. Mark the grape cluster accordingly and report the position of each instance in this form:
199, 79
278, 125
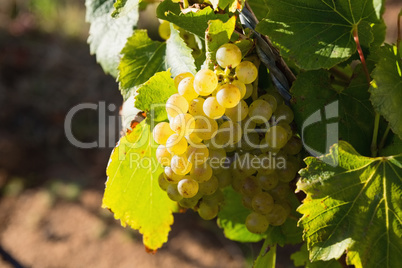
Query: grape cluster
219, 136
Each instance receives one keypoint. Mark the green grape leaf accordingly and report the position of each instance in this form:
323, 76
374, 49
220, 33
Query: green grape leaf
107, 36
178, 54
267, 256
300, 258
124, 7
232, 217
386, 89
218, 33
260, 8
245, 46
132, 191
393, 147
194, 21
142, 57
325, 114
319, 33
151, 96
353, 204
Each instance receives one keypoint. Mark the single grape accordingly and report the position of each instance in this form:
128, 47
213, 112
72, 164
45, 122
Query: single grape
173, 193
212, 108
217, 160
241, 86
229, 133
205, 128
207, 211
237, 113
283, 114
176, 144
277, 216
197, 154
250, 141
176, 104
228, 55
187, 187
293, 146
205, 82
163, 155
262, 203
244, 165
180, 165
287, 127
267, 163
271, 100
172, 177
201, 173
247, 201
180, 77
250, 186
162, 132
281, 191
288, 173
163, 183
214, 199
228, 96
186, 89
276, 137
183, 124
256, 223
249, 91
196, 107
260, 111
225, 178
246, 72
190, 202
164, 30
210, 186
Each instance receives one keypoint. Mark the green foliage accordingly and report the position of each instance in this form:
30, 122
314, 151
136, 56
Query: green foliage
108, 36
267, 256
194, 22
386, 90
132, 191
153, 95
124, 7
353, 204
300, 258
319, 33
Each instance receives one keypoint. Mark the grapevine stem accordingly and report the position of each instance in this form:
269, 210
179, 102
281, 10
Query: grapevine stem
361, 55
384, 138
398, 40
374, 149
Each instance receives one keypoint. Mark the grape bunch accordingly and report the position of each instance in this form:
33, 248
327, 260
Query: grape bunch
222, 134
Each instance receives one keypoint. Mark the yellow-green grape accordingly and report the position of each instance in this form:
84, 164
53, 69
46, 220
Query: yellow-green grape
217, 160
201, 173
186, 89
193, 138
277, 96
163, 183
237, 113
250, 186
247, 201
173, 193
271, 100
172, 177
246, 72
212, 108
250, 141
164, 30
283, 114
205, 128
210, 186
197, 154
241, 86
288, 173
187, 187
249, 91
225, 178
265, 148
163, 155
196, 107
190, 202
176, 144
256, 223
276, 137
277, 216
205, 82
216, 198
267, 181
180, 77
244, 165
228, 96
281, 191
180, 165
267, 163
262, 203
293, 146
208, 211
176, 104
229, 133
260, 111
287, 127
228, 55
162, 132
248, 125
183, 124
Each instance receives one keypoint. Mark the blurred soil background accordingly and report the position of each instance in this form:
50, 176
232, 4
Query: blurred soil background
50, 190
